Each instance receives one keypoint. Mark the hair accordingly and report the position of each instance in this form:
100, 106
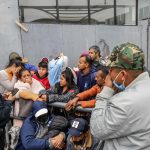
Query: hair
21, 72
96, 49
16, 62
68, 75
43, 64
88, 59
104, 69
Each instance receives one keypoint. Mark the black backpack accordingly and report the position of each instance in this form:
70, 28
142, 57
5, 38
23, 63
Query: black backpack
5, 109
58, 123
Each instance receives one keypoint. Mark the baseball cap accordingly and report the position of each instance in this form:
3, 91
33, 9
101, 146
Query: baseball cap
78, 126
127, 56
39, 108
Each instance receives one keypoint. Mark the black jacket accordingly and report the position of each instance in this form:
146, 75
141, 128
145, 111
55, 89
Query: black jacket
5, 109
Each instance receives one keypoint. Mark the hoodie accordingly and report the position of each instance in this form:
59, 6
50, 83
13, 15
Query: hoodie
28, 135
85, 82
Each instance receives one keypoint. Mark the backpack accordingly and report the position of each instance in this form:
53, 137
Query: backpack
55, 67
5, 109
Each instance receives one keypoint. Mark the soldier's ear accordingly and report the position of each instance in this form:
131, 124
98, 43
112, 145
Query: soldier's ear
124, 75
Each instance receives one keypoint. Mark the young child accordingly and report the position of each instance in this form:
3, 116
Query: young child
42, 73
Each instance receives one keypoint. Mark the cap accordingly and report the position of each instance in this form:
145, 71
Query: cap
39, 108
127, 56
78, 126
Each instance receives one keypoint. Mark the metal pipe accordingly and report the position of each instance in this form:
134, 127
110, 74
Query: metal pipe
148, 24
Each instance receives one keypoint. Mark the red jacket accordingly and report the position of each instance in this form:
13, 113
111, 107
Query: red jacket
87, 95
44, 81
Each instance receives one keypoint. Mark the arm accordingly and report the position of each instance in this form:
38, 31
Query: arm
63, 98
108, 119
87, 104
7, 84
88, 93
29, 140
28, 95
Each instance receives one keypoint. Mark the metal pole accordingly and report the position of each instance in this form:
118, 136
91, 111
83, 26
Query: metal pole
115, 12
136, 9
57, 10
148, 24
89, 14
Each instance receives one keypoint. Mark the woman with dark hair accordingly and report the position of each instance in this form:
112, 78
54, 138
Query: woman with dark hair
42, 74
8, 76
27, 66
63, 91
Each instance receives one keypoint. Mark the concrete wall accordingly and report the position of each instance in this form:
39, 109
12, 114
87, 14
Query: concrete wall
10, 39
50, 39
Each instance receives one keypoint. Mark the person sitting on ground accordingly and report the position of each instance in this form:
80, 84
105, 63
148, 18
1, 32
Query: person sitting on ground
80, 137
86, 74
28, 91
8, 76
42, 74
63, 91
82, 99
15, 55
120, 116
41, 131
95, 53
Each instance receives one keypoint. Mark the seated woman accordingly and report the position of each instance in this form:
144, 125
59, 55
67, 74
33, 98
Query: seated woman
27, 85
28, 91
8, 76
28, 88
42, 74
63, 91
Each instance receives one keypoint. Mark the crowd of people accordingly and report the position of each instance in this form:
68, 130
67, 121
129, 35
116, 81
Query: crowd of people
117, 92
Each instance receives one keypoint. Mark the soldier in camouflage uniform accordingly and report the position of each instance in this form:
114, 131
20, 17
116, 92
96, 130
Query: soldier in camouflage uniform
121, 115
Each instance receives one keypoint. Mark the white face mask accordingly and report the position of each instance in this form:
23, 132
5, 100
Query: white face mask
119, 86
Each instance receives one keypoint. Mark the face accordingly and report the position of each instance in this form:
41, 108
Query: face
92, 54
114, 73
42, 71
82, 63
43, 119
78, 138
15, 69
63, 81
100, 78
25, 76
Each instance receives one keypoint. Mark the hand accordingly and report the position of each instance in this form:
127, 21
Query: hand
24, 60
57, 141
79, 103
29, 80
16, 70
71, 104
8, 96
108, 81
32, 72
43, 97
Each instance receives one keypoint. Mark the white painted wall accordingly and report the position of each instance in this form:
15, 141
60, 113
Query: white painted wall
9, 33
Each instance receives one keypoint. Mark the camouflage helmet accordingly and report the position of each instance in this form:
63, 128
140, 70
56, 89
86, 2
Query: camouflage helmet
127, 56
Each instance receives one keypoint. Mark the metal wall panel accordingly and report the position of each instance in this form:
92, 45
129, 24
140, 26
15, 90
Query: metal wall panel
50, 39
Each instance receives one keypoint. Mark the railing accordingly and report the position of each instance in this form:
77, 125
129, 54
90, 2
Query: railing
78, 108
59, 105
